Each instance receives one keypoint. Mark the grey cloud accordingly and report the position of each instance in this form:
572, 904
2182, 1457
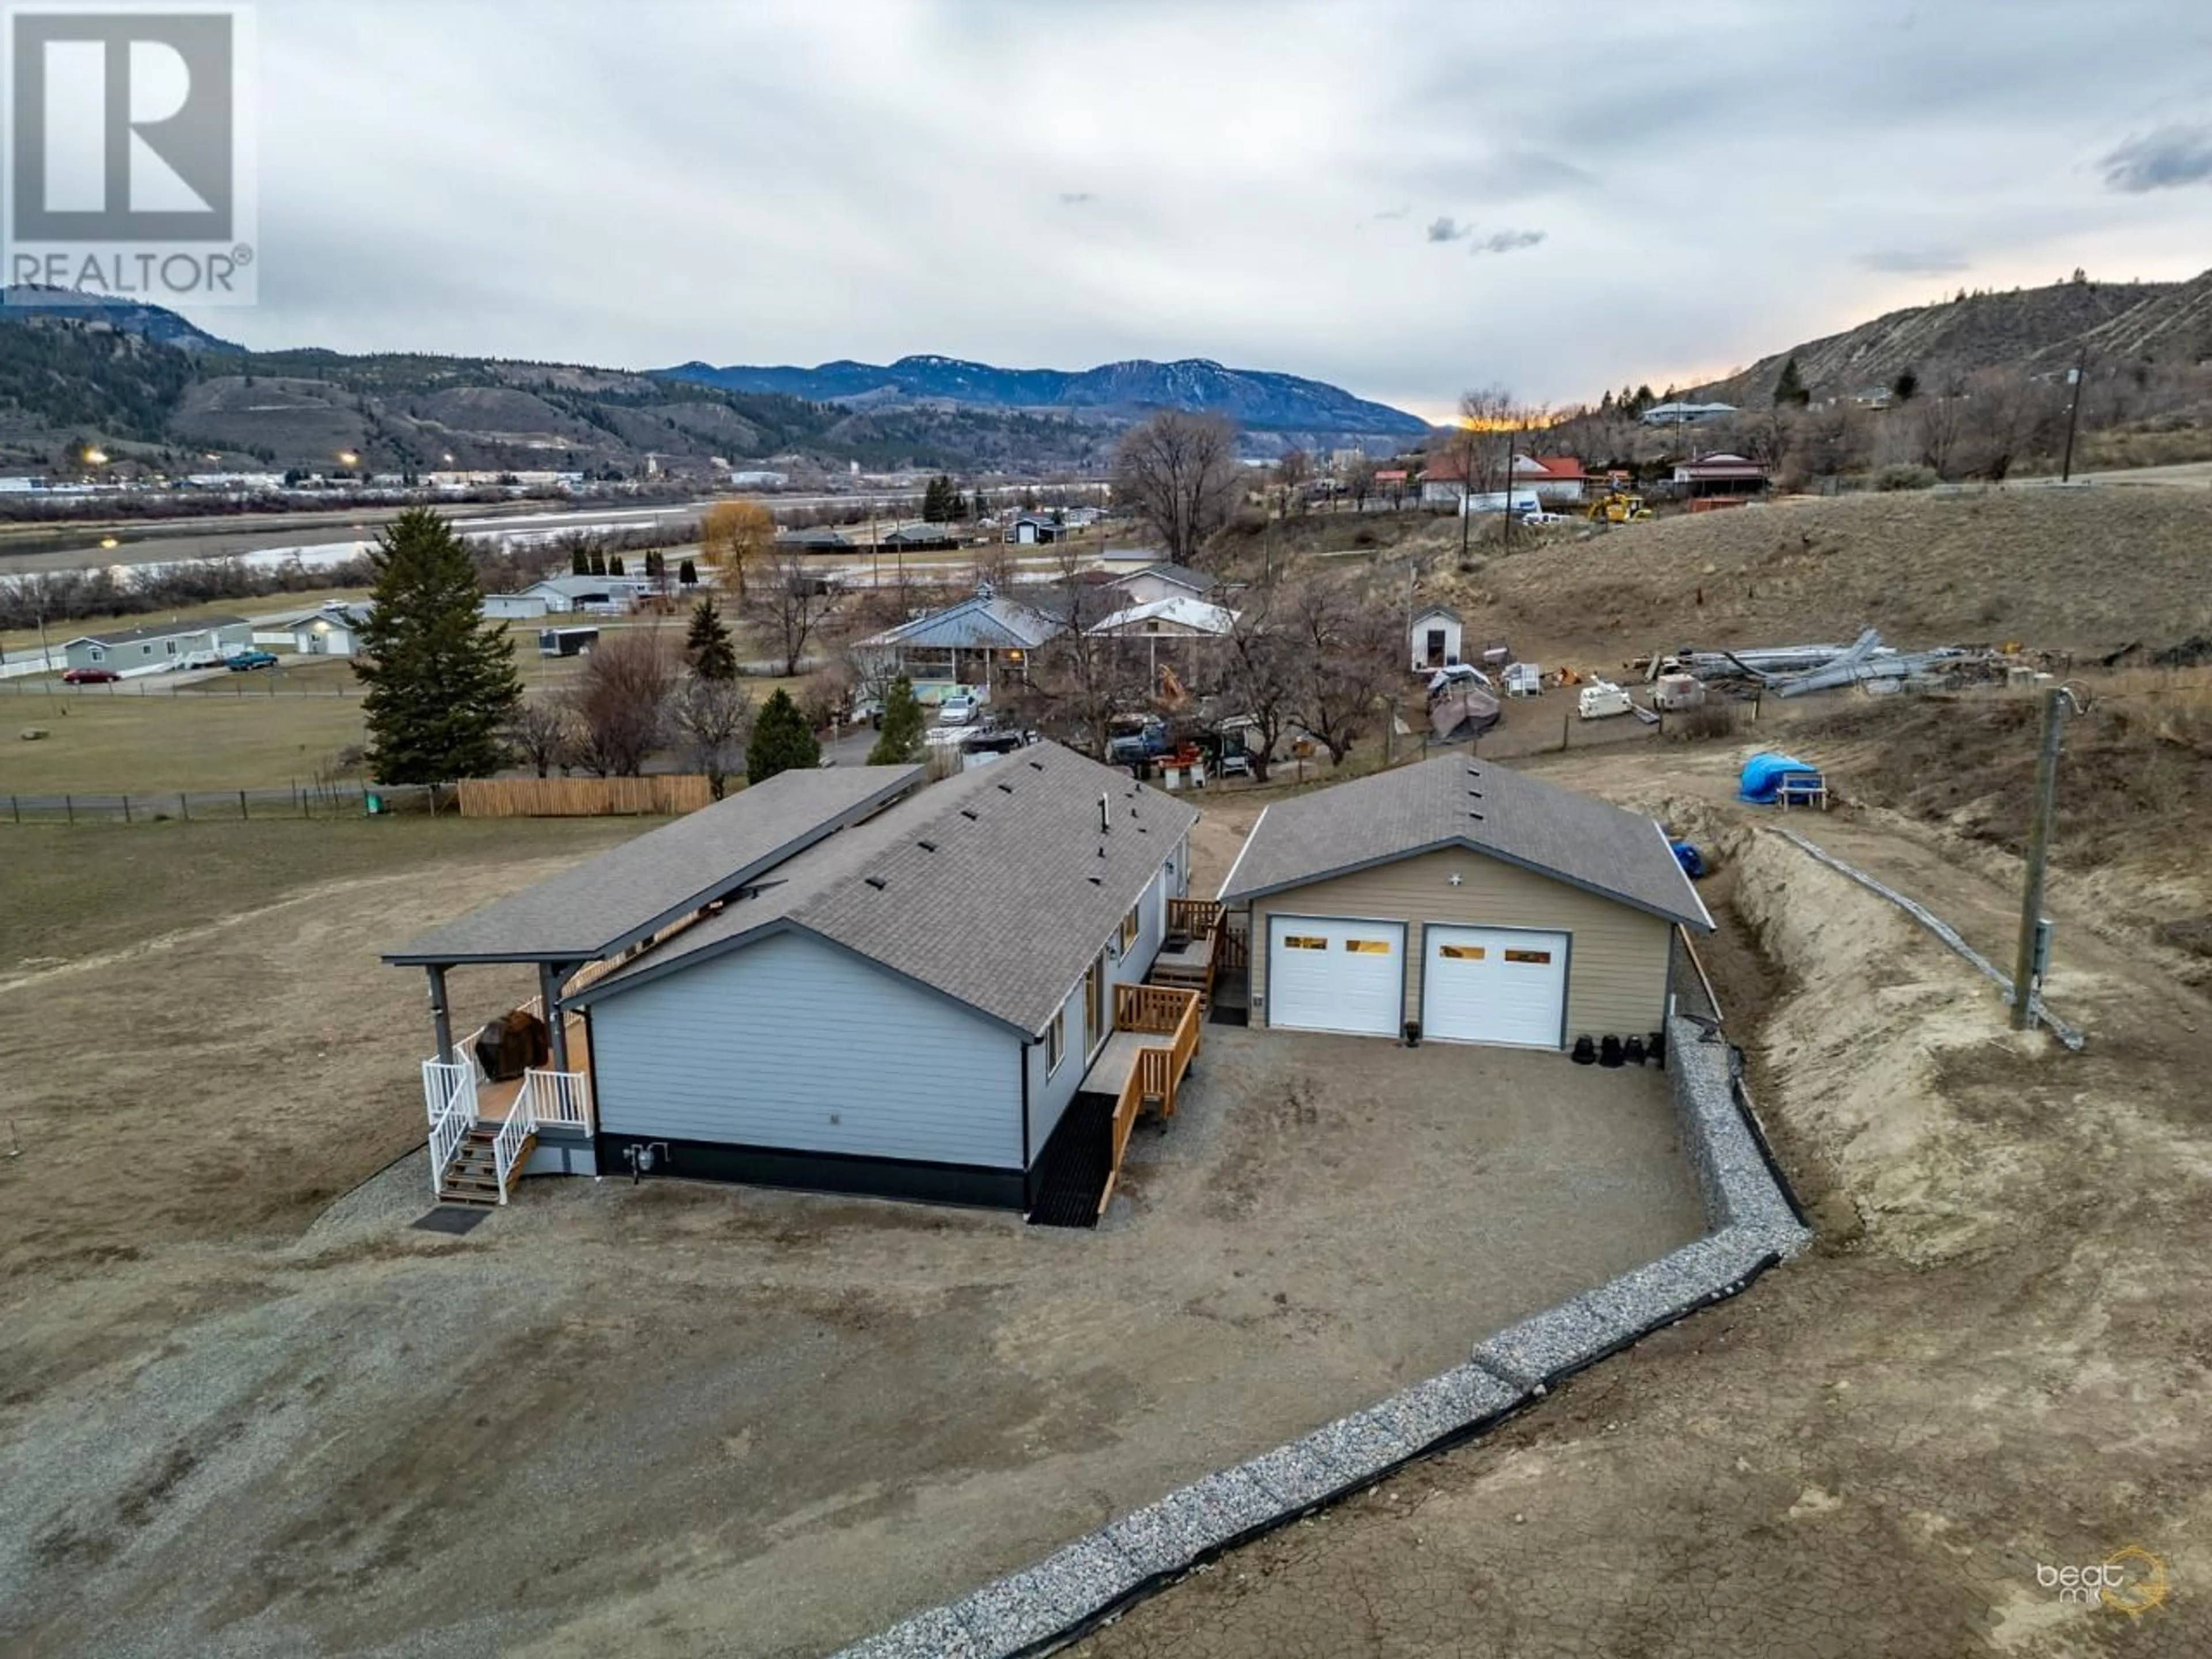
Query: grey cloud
1077, 197
1913, 261
1391, 213
1505, 241
2164, 160
1445, 228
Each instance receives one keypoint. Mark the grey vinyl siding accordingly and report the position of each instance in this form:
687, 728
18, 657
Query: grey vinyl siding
1048, 1096
793, 1042
1618, 956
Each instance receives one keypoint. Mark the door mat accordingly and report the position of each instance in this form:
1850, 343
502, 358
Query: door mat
455, 1219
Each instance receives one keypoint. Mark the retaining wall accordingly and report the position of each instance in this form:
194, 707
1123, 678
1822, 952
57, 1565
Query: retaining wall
1755, 1224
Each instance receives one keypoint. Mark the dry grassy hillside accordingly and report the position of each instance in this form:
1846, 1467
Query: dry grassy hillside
2084, 570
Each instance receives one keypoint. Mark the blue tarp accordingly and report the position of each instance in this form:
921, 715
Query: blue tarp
1763, 775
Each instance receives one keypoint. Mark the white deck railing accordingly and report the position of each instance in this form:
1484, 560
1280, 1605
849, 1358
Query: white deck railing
506, 1146
558, 1097
447, 1131
444, 1081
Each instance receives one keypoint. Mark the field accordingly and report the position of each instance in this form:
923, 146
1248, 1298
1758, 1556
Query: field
664, 1418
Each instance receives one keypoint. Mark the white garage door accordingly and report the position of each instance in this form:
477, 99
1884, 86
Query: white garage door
1493, 985
1327, 974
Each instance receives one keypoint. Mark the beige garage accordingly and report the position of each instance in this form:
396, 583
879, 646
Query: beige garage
1475, 902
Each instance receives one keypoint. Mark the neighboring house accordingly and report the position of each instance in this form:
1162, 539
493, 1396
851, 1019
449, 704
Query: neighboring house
156, 646
1718, 475
1686, 414
1163, 580
1178, 616
919, 538
516, 607
819, 540
841, 979
1483, 905
1538, 479
759, 480
980, 641
604, 596
1553, 477
1433, 637
1031, 531
334, 631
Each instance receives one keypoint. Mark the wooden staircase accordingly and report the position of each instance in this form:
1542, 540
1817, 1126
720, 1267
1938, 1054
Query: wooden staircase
471, 1175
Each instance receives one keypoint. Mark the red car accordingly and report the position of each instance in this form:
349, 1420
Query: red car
90, 676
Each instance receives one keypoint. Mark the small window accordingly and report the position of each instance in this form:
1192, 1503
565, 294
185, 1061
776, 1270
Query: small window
1462, 953
1129, 928
1055, 1043
1368, 947
1540, 958
1303, 942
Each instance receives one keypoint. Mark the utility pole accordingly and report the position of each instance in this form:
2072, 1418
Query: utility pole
2074, 414
2032, 955
1505, 519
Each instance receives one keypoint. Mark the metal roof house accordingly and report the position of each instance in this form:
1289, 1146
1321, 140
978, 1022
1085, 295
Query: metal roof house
1458, 900
981, 640
1164, 580
156, 646
843, 981
329, 630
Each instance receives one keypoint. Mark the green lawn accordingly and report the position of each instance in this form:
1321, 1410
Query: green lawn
230, 734
75, 892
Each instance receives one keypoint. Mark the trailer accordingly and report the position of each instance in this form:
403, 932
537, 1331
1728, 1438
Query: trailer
567, 641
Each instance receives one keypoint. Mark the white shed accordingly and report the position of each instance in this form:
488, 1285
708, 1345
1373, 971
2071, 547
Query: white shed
1433, 638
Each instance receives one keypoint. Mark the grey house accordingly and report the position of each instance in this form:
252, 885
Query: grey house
868, 985
156, 646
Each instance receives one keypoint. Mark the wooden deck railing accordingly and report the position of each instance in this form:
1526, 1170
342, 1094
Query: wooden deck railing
1193, 918
1152, 1010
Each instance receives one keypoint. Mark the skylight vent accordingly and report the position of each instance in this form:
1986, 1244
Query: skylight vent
876, 882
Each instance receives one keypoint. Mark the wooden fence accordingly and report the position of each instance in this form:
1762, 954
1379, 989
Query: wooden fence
662, 795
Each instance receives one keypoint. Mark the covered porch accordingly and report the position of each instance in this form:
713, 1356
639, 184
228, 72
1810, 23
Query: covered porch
489, 1114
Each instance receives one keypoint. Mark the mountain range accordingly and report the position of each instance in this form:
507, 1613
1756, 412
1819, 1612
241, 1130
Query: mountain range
1256, 399
2036, 330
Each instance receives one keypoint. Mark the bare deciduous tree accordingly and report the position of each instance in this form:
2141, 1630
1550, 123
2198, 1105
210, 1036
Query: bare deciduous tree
1261, 678
1939, 421
539, 731
1344, 654
1180, 473
711, 719
1078, 681
788, 603
619, 703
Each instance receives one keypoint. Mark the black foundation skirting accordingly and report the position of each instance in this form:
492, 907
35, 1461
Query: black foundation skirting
820, 1172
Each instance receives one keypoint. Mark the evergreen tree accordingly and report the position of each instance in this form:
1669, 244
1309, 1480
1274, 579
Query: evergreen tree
900, 740
708, 645
1791, 391
580, 561
599, 563
688, 574
441, 682
782, 741
1904, 387
615, 565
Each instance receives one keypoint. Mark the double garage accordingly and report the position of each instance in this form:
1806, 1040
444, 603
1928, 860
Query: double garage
1478, 905
1506, 984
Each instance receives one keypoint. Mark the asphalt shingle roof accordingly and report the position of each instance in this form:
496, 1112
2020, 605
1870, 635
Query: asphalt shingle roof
1477, 804
986, 620
596, 908
995, 886
1180, 574
160, 631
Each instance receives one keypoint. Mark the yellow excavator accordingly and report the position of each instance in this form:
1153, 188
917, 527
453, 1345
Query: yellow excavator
1618, 506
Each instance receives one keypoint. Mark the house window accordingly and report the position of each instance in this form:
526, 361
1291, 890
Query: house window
1055, 1043
1129, 930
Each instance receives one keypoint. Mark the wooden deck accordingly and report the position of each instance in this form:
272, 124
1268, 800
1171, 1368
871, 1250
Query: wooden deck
1109, 1073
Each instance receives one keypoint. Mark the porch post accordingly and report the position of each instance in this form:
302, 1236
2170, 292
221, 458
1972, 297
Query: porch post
548, 993
440, 1020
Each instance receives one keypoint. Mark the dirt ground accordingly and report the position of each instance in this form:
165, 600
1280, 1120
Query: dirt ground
1992, 1363
671, 1419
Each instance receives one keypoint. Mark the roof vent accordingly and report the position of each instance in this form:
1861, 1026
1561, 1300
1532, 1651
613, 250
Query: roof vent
1036, 766
876, 882
1005, 788
968, 813
1105, 818
926, 846
1476, 816
1096, 881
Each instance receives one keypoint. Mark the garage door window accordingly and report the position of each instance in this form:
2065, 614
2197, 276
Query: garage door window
1303, 942
1461, 953
1368, 947
1541, 958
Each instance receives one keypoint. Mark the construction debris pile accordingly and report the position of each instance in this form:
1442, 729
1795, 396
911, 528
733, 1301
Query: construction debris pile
1792, 671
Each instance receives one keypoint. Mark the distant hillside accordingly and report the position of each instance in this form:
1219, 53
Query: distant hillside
2034, 329
1294, 409
153, 323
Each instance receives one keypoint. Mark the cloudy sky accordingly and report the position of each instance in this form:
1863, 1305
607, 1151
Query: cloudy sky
1405, 200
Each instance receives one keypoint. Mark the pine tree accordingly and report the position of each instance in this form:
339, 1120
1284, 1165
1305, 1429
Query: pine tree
615, 565
688, 574
599, 563
580, 561
441, 682
782, 741
708, 645
900, 740
1791, 391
